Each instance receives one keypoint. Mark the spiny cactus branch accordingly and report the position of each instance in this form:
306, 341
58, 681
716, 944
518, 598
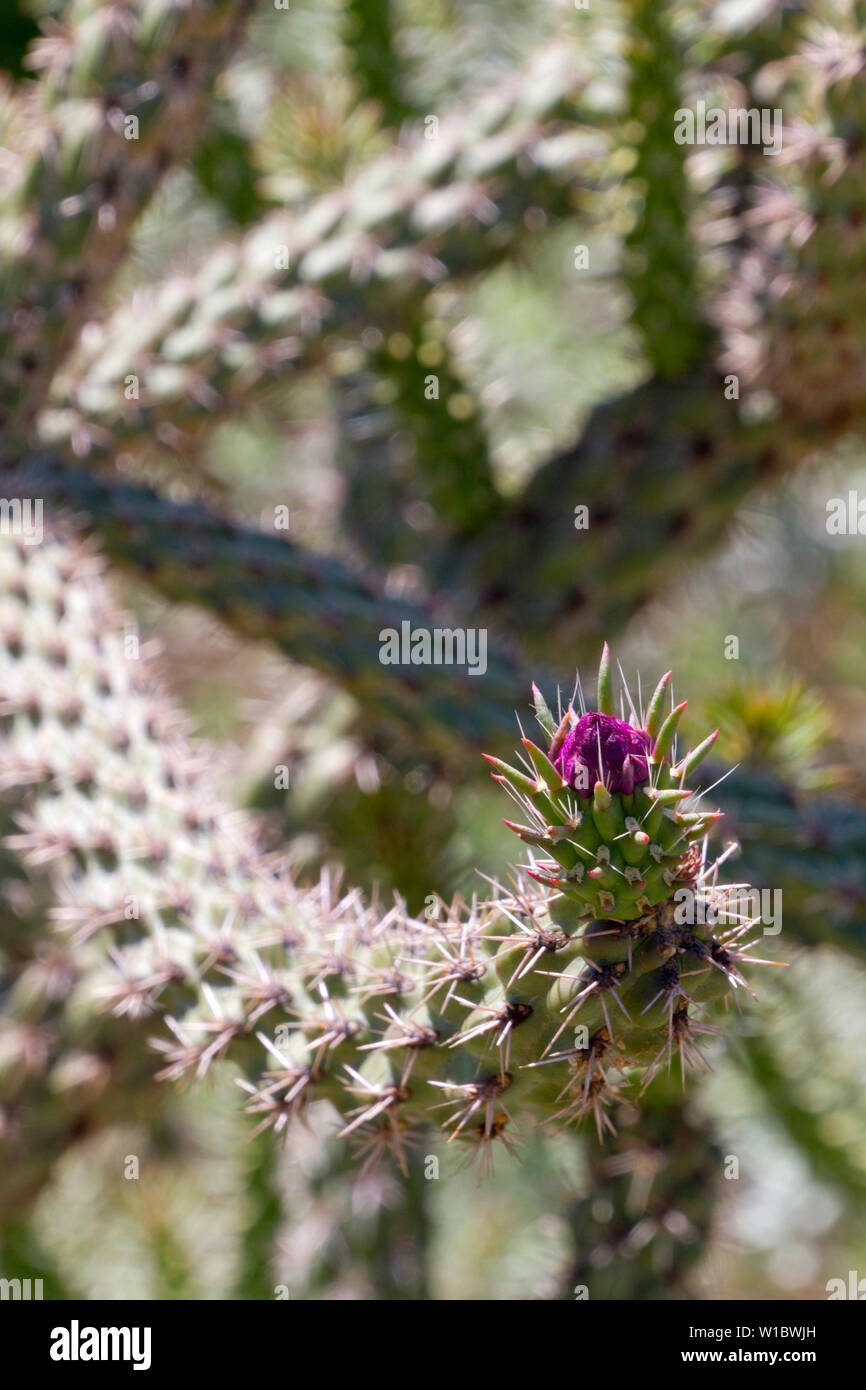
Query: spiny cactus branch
789, 317
123, 93
311, 606
661, 260
406, 453
202, 345
660, 470
369, 27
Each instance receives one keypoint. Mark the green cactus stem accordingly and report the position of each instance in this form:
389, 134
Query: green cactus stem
124, 93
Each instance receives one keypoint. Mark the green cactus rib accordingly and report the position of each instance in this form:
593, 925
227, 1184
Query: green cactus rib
661, 261
75, 194
200, 345
412, 438
374, 60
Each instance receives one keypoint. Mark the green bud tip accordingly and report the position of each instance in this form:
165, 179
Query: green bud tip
605, 686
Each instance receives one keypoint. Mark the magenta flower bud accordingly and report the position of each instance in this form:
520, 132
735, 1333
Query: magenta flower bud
602, 749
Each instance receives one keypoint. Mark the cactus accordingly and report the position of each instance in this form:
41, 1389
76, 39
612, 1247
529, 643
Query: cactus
369, 28
98, 781
661, 267
116, 780
787, 316
447, 475
203, 345
388, 1018
324, 614
76, 193
143, 926
633, 892
642, 1226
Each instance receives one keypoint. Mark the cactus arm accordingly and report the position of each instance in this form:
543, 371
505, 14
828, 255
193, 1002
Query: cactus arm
120, 812
811, 847
661, 470
787, 318
113, 780
400, 1266
643, 1223
409, 388
311, 606
661, 262
122, 99
314, 608
675, 451
384, 1252
256, 1278
374, 60
92, 1069
203, 345
371, 1241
